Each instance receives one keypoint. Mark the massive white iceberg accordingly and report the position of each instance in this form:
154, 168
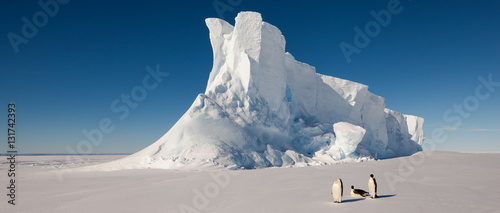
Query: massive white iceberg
263, 108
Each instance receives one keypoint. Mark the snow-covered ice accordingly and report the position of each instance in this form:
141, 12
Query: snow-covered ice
438, 182
263, 108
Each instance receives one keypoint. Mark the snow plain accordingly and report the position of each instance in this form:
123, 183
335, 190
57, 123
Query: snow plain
424, 182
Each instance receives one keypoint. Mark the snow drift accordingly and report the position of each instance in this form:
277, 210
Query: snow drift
263, 108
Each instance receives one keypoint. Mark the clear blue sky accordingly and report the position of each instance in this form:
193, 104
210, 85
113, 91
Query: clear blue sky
91, 52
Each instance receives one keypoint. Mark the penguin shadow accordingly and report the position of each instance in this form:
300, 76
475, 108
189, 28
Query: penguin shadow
386, 196
352, 200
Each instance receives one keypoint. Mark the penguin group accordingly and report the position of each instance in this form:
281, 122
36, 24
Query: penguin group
338, 190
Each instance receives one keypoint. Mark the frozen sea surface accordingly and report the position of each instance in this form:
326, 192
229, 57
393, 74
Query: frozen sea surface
424, 182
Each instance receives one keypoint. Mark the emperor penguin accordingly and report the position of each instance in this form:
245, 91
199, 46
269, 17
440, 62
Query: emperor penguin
372, 187
337, 191
358, 192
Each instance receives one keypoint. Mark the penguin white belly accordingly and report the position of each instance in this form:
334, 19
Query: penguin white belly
337, 191
371, 188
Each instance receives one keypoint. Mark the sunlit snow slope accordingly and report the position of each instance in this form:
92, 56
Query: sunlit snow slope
262, 108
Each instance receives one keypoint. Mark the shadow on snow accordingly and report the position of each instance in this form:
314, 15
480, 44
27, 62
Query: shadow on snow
352, 200
385, 196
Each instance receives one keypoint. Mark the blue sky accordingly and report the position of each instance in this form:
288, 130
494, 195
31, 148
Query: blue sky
65, 78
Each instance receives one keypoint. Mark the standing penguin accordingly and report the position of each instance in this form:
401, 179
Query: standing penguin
338, 191
372, 187
358, 192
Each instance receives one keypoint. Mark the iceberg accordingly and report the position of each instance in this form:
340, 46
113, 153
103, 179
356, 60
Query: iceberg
263, 108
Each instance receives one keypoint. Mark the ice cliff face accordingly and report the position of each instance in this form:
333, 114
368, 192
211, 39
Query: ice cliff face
263, 108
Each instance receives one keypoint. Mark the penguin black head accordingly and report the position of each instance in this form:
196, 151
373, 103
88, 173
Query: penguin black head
371, 175
352, 187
